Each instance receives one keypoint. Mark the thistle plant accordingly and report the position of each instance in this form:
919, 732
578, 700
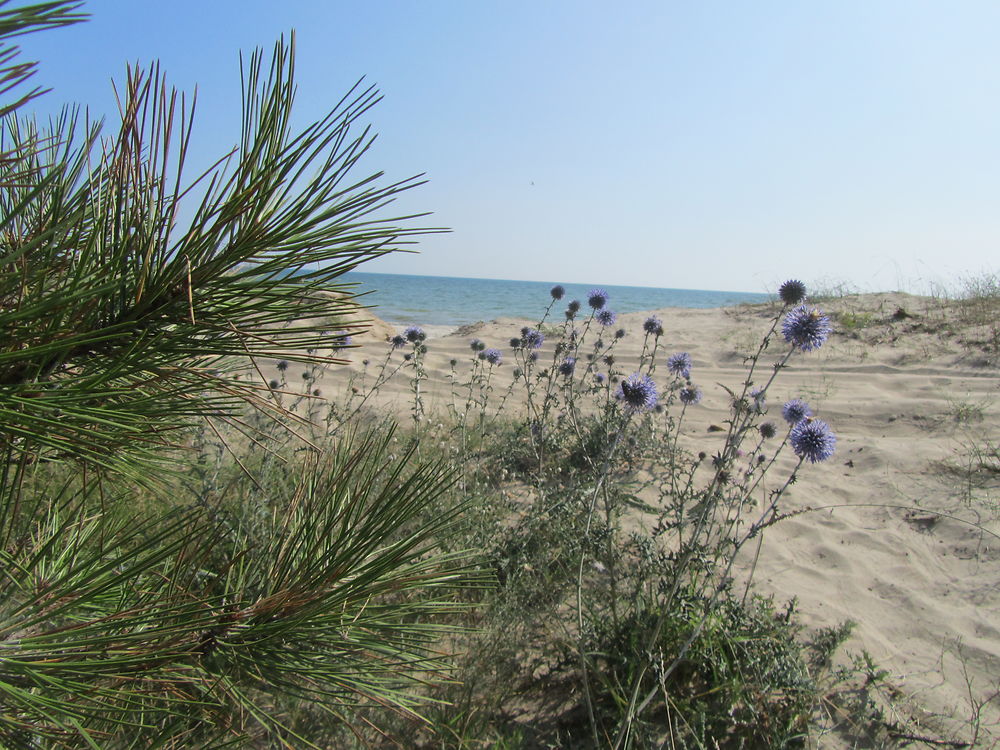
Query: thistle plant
603, 444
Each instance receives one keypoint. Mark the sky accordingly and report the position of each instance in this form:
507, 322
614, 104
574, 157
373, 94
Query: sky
697, 145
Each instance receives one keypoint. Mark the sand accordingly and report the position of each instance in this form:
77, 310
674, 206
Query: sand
906, 546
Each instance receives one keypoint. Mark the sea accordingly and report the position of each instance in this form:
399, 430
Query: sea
451, 301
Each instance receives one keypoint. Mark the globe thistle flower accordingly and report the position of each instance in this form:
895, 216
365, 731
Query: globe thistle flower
274, 385
533, 356
652, 325
340, 340
515, 343
453, 362
493, 356
599, 378
567, 367
806, 328
637, 392
767, 430
795, 411
557, 291
282, 366
408, 356
597, 298
518, 372
792, 292
812, 440
689, 395
477, 345
620, 333
398, 341
609, 360
414, 334
606, 317
680, 364
573, 307
532, 338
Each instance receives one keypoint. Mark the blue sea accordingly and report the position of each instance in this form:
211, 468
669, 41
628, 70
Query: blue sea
450, 301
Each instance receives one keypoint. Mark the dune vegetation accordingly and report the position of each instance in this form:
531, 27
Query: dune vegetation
202, 548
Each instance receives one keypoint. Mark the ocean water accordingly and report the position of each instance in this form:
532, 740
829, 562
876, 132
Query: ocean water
451, 301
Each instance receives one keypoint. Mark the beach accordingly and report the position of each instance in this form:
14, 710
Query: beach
896, 532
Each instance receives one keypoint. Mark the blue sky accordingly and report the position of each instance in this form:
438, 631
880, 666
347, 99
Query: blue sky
707, 145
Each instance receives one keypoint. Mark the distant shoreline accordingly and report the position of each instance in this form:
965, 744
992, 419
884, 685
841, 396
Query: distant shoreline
453, 302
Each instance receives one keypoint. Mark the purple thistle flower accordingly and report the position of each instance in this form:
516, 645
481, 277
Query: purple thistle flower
599, 378
606, 317
806, 328
282, 366
620, 333
792, 292
568, 366
812, 440
493, 356
680, 364
532, 339
414, 334
533, 356
518, 372
637, 392
515, 343
557, 292
597, 298
340, 341
653, 325
767, 430
689, 395
795, 411
274, 385
398, 341
573, 306
477, 345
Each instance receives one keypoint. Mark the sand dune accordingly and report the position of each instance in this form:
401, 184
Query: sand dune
911, 391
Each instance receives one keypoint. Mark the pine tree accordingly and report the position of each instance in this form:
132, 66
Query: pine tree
137, 610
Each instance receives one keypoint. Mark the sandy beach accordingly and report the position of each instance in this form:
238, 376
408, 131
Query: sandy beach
903, 539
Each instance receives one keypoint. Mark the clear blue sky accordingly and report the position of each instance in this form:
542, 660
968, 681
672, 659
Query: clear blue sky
709, 144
